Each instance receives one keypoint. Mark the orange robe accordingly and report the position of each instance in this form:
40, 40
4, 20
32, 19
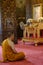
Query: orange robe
8, 53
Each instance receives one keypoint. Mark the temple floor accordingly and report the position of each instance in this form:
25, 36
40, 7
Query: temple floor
34, 55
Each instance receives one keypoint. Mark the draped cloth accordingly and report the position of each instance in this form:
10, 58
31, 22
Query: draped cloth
8, 52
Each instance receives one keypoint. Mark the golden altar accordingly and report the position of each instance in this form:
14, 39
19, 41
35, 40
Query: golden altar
32, 33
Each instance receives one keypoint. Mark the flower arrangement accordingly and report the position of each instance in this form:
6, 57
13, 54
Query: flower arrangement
29, 22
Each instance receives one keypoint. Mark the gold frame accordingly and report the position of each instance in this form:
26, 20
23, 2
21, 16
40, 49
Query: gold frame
36, 5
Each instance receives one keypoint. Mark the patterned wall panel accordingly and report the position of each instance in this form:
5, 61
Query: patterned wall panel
8, 15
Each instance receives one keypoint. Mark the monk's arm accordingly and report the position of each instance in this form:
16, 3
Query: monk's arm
12, 46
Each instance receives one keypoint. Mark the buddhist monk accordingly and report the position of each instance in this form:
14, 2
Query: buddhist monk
8, 50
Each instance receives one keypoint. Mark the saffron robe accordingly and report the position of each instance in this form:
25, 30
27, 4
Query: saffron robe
8, 52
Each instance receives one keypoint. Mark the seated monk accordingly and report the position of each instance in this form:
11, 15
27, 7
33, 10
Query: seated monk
8, 50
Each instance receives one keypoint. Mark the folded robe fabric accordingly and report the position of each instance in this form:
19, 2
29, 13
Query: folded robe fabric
8, 53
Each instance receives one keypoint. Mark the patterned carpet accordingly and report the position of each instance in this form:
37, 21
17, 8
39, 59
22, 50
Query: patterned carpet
33, 55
